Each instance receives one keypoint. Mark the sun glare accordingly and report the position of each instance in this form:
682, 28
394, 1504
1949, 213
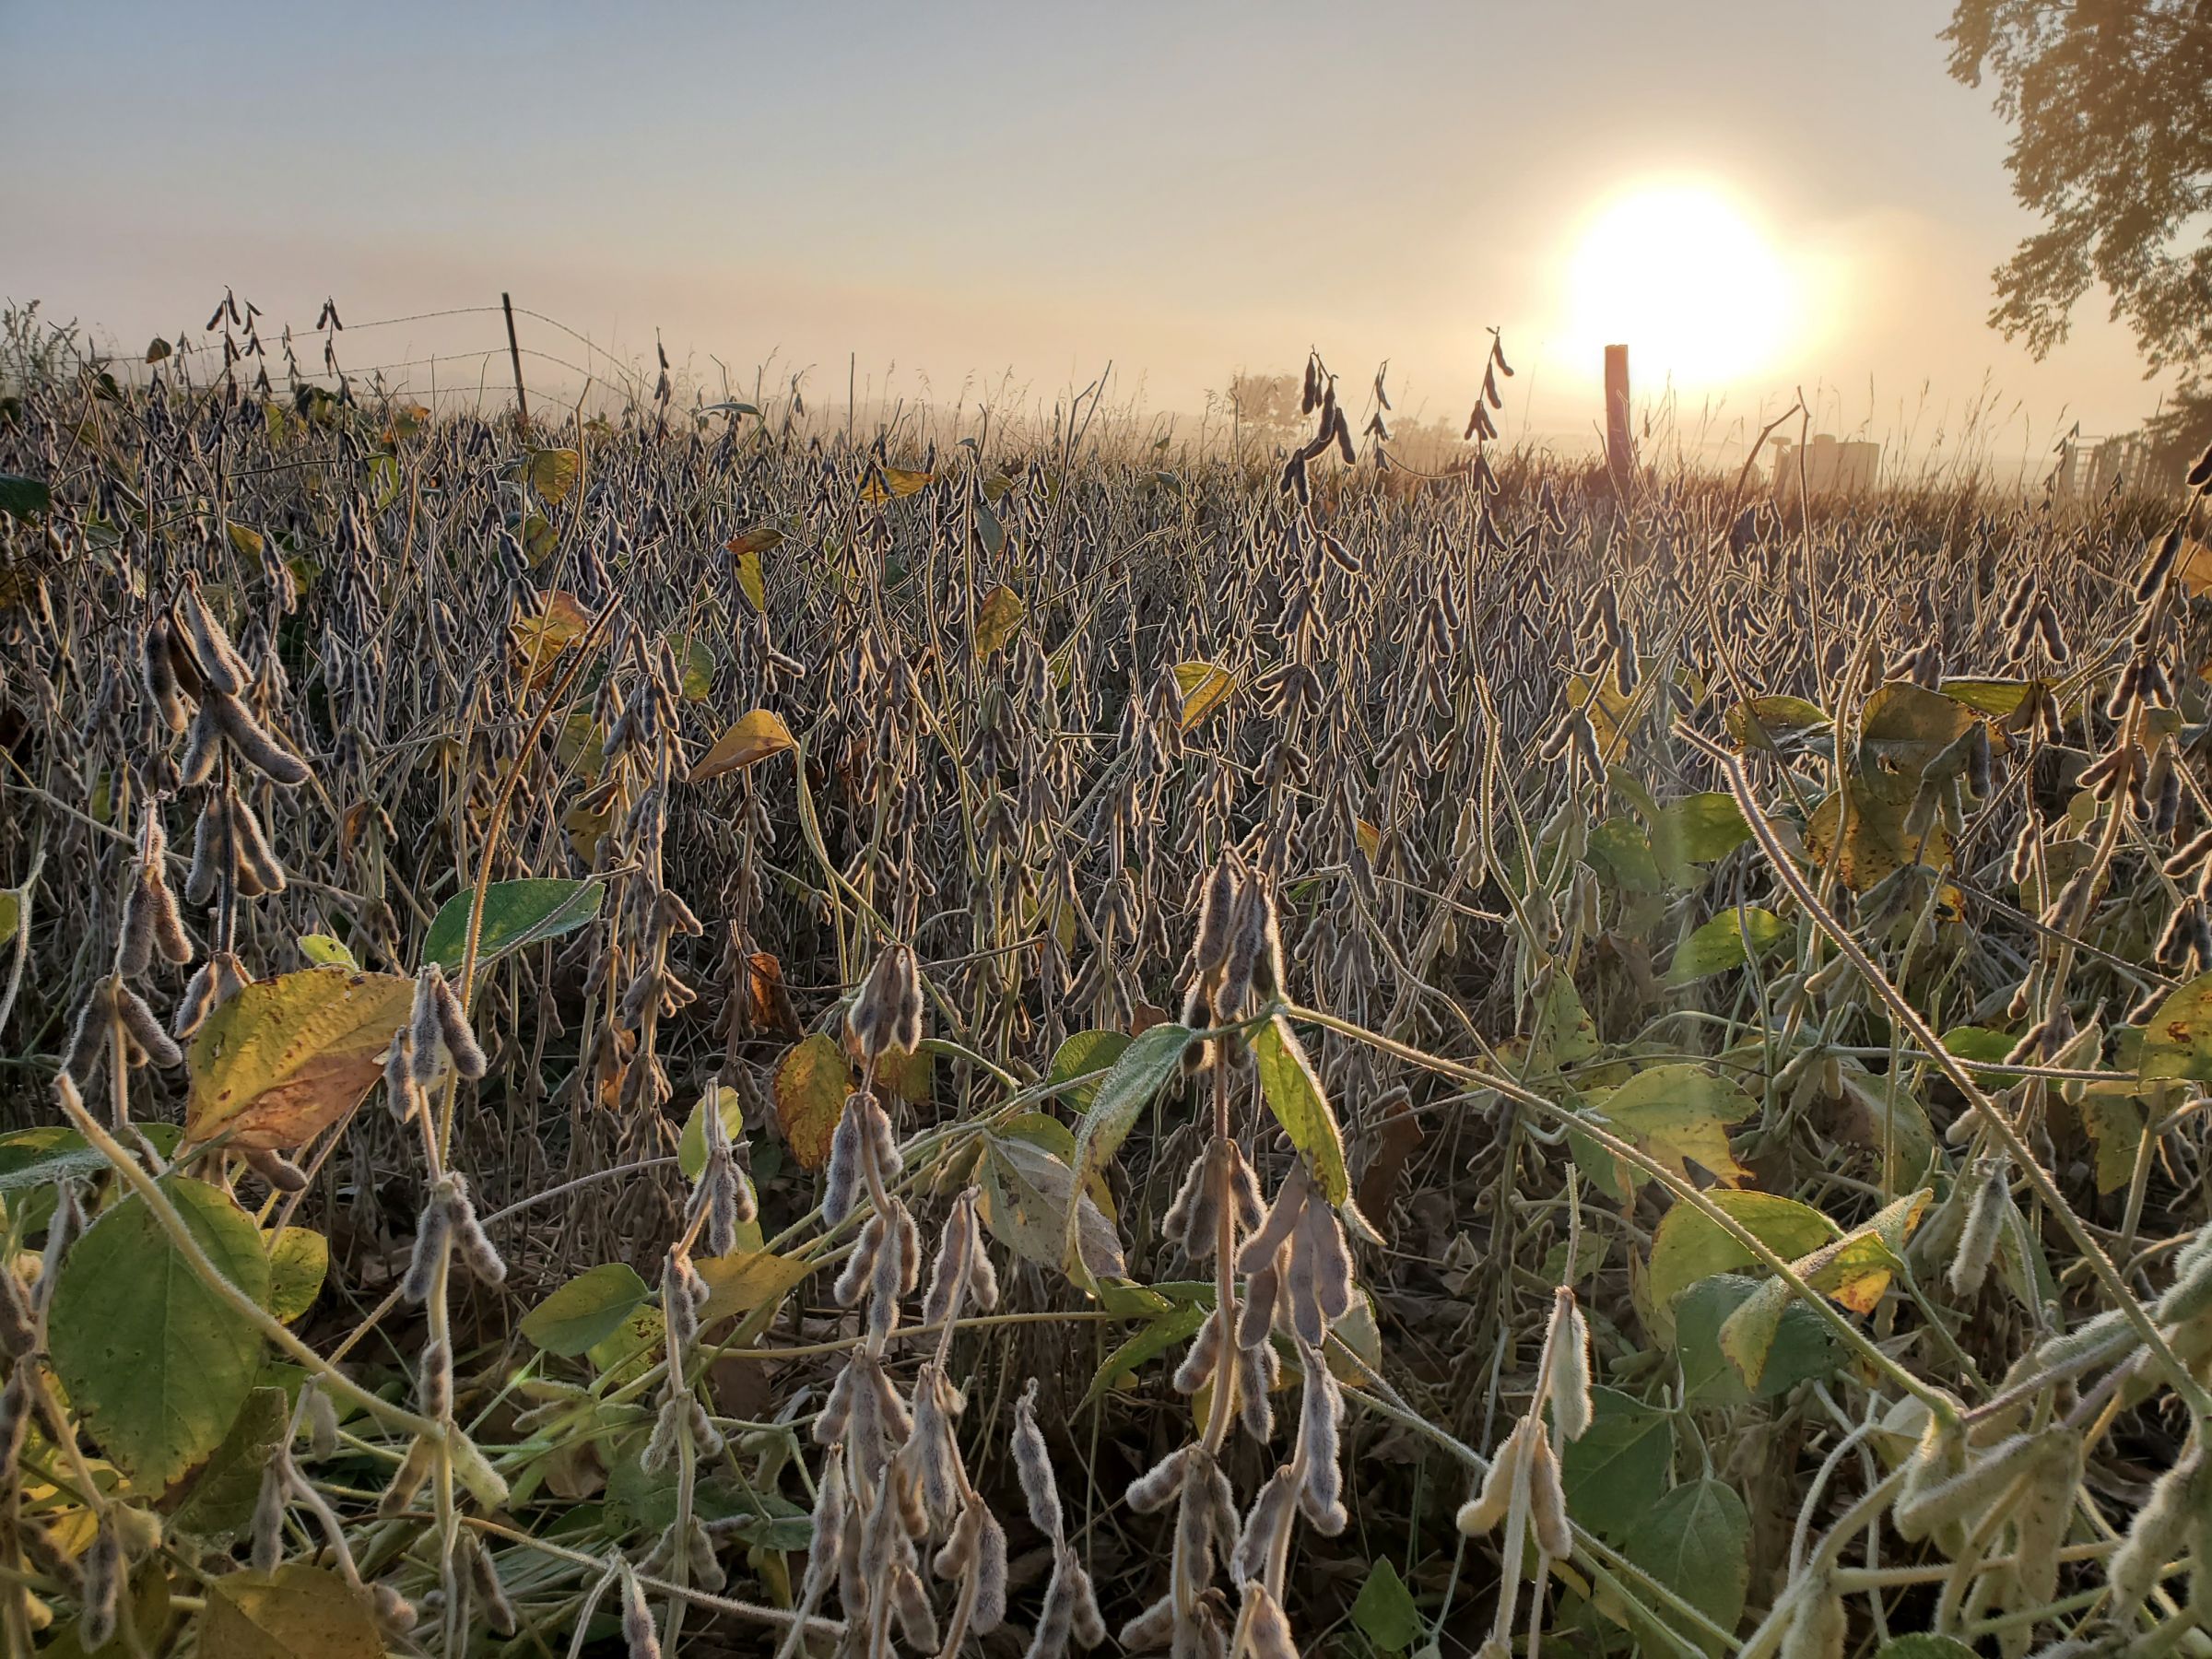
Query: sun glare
1679, 273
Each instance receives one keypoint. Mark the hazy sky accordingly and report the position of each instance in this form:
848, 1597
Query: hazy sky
1032, 189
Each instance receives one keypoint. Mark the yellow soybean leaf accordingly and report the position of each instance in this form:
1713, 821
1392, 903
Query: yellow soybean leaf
753, 739
1204, 688
287, 1058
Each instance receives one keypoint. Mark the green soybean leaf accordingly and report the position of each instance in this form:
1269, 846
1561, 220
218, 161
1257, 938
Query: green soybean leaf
1698, 829
1854, 1271
515, 913
156, 1363
1768, 722
692, 1146
1384, 1611
1144, 1067
36, 1158
24, 498
1689, 1245
1803, 1348
586, 1310
1618, 1470
1081, 1055
1729, 940
218, 1503
1678, 1115
1031, 1203
326, 950
1294, 1095
1697, 1542
1180, 1321
299, 1262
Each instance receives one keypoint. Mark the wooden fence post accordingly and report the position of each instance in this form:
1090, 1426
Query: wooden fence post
1620, 455
515, 356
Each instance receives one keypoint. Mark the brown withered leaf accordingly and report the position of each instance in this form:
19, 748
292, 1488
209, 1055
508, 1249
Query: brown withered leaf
1398, 1137
767, 1003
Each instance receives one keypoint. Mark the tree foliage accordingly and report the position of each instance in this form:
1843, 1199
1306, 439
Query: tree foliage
2112, 149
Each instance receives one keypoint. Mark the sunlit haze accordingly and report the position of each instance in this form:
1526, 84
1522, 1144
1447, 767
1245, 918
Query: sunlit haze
964, 201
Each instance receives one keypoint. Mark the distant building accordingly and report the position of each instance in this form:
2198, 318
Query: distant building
1830, 467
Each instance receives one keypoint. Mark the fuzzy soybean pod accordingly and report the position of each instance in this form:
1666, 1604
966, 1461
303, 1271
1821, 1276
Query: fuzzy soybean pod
157, 678
883, 1139
1819, 1625
89, 1036
426, 1037
1056, 1623
1265, 1524
1571, 1408
860, 1266
220, 668
103, 1581
2160, 1530
638, 1636
932, 1454
134, 948
259, 869
1190, 1223
211, 859
1967, 1493
948, 1277
1258, 1367
433, 1228
266, 1530
1487, 1507
835, 1421
453, 1025
1262, 1292
171, 939
827, 1541
1267, 1627
1203, 1358
147, 1036
408, 1480
1320, 1417
909, 1602
2158, 565
1033, 1464
1157, 1486
1985, 1214
1547, 1497
254, 743
2039, 1512
2190, 1295
1282, 1219
203, 748
1938, 1458
1217, 914
842, 1180
1332, 1265
484, 1580
472, 1245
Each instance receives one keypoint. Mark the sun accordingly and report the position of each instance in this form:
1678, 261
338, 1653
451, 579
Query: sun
1684, 278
